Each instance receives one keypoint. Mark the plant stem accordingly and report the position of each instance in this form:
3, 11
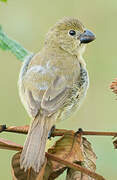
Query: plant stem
9, 145
75, 166
60, 132
16, 129
17, 49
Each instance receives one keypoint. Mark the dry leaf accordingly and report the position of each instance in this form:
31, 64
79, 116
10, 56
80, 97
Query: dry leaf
115, 144
51, 174
19, 174
89, 163
113, 86
68, 147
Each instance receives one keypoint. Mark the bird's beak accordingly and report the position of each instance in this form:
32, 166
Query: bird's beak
87, 36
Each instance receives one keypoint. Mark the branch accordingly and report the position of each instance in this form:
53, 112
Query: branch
75, 167
57, 132
15, 129
5, 144
61, 132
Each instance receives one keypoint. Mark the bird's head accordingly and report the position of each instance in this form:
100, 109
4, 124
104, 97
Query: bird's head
70, 35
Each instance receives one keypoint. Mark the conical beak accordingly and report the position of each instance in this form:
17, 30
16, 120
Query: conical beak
87, 36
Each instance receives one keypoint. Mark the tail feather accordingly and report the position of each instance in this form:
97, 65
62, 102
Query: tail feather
33, 154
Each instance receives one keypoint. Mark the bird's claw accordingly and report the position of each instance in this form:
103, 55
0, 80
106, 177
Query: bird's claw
80, 131
2, 128
51, 131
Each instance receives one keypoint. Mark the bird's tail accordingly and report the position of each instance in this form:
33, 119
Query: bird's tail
33, 154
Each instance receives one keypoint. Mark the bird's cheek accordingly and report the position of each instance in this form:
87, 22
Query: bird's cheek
77, 44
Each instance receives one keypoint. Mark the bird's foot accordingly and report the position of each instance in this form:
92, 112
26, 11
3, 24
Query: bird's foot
2, 128
80, 131
51, 131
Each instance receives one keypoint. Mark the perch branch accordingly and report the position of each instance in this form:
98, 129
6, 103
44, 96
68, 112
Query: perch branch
57, 132
15, 129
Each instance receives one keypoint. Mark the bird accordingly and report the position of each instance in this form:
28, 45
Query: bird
52, 85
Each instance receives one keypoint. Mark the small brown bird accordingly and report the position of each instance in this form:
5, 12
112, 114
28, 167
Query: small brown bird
52, 85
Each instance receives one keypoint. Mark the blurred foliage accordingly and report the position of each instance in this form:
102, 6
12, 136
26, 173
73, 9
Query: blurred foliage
3, 0
28, 22
7, 43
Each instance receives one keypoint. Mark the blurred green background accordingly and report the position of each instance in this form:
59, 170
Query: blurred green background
27, 22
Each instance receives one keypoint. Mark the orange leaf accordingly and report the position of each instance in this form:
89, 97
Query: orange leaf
115, 144
68, 148
89, 163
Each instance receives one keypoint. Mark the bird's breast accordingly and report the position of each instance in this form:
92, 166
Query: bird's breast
78, 93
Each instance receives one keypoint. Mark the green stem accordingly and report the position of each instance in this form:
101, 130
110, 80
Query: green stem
7, 43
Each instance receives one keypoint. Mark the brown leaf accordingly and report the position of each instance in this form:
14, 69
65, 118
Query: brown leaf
68, 147
113, 86
5, 144
89, 163
51, 174
115, 144
20, 174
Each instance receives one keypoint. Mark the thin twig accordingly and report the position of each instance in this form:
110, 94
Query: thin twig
61, 132
24, 130
57, 132
75, 167
100, 133
9, 145
15, 129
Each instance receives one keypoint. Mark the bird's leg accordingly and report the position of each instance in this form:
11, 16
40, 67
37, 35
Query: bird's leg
51, 131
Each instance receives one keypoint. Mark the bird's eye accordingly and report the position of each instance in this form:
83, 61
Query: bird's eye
72, 32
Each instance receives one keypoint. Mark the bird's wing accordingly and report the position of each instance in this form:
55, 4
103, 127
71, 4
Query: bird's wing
55, 96
43, 90
34, 83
